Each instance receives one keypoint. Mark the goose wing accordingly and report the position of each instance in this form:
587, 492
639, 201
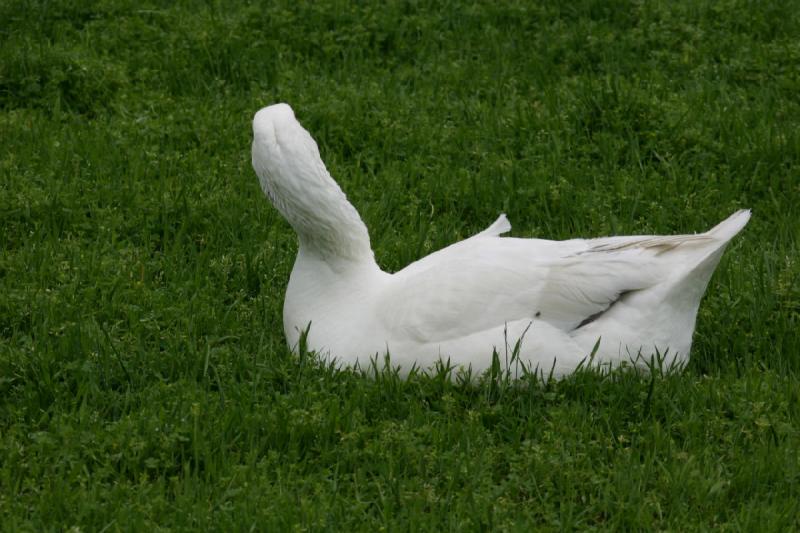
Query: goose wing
488, 280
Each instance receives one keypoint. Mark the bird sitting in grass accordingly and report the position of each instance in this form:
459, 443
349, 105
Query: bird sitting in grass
550, 304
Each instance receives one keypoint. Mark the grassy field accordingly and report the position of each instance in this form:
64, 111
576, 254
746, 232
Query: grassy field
144, 377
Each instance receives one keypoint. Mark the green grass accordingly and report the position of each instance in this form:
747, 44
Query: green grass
144, 378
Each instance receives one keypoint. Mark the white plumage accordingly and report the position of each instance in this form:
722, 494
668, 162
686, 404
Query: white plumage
557, 298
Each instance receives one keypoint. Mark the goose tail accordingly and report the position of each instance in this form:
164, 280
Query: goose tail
722, 233
684, 293
664, 315
728, 228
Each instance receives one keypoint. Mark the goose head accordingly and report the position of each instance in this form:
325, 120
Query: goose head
294, 178
285, 157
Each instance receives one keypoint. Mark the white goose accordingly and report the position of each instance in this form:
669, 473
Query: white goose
556, 298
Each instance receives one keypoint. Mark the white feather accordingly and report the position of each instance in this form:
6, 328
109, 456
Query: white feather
557, 298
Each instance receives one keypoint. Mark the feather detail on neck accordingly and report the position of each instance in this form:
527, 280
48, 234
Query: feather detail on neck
295, 179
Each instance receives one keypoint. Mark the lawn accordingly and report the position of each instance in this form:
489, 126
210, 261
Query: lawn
145, 383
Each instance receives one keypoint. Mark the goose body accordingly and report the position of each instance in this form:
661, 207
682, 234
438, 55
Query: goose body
551, 300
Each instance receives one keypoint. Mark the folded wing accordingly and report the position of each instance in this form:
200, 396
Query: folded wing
488, 280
